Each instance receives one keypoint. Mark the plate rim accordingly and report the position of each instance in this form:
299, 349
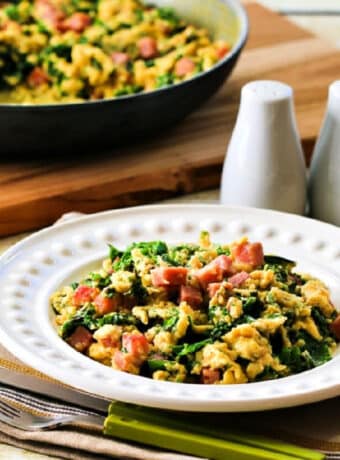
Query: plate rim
265, 403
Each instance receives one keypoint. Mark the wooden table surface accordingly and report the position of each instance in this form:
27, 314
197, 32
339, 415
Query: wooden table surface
306, 13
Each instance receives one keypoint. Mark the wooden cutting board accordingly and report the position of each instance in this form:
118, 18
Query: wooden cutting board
184, 159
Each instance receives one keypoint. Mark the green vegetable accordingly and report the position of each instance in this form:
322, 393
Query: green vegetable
99, 281
138, 291
128, 89
321, 321
158, 364
151, 249
149, 63
186, 348
166, 79
139, 15
116, 318
318, 351
252, 306
12, 12
61, 50
219, 330
168, 14
83, 40
293, 358
171, 322
313, 353
222, 250
114, 252
42, 28
84, 317
96, 64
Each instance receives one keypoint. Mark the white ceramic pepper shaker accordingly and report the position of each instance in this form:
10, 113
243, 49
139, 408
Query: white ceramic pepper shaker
264, 166
324, 184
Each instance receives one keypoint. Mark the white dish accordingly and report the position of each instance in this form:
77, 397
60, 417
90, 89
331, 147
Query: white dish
35, 267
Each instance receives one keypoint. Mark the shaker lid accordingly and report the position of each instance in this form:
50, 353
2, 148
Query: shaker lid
267, 91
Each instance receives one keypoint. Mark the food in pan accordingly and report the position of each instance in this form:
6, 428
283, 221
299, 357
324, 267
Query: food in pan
76, 50
199, 313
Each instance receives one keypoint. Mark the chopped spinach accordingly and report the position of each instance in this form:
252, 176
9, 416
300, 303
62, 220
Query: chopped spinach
157, 364
222, 251
166, 79
168, 14
171, 322
151, 249
84, 317
149, 63
99, 280
116, 318
114, 252
128, 89
313, 353
219, 330
12, 12
318, 351
252, 306
187, 348
139, 15
138, 291
321, 321
267, 374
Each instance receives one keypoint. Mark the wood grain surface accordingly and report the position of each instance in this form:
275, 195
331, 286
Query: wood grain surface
183, 159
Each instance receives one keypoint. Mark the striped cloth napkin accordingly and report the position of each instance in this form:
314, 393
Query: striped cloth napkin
315, 426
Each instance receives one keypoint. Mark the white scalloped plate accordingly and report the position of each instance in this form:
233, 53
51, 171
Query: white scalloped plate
31, 270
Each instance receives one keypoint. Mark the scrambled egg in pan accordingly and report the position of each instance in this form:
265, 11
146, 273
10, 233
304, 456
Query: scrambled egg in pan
75, 50
199, 313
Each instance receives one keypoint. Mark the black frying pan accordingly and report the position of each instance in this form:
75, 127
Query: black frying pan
61, 128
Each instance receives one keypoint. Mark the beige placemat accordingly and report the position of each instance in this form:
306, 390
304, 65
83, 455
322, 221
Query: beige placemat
74, 442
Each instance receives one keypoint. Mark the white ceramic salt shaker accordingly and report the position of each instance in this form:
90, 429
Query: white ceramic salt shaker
324, 184
264, 166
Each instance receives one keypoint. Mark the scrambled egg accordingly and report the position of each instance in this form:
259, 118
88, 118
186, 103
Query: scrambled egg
199, 313
75, 50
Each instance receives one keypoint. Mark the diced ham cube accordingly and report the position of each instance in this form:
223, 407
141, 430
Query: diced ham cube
77, 22
109, 342
49, 13
105, 305
225, 263
135, 349
129, 301
335, 327
238, 279
120, 58
209, 376
184, 66
84, 294
215, 271
37, 77
147, 47
125, 362
250, 254
222, 51
80, 339
136, 345
191, 296
169, 276
213, 288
